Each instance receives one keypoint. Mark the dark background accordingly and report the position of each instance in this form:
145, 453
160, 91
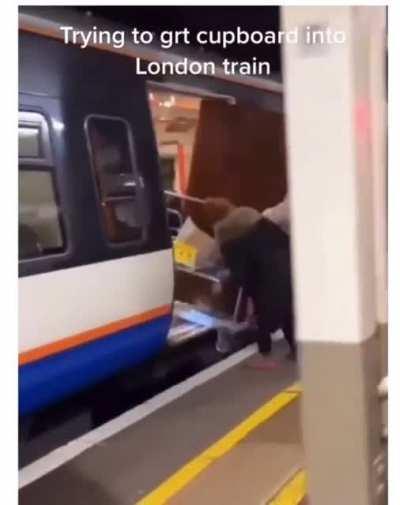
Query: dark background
197, 18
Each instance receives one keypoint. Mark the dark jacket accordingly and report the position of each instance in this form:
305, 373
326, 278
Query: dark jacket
259, 260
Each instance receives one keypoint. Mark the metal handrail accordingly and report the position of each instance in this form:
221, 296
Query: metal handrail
182, 196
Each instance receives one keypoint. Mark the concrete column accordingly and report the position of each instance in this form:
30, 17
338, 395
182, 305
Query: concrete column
335, 160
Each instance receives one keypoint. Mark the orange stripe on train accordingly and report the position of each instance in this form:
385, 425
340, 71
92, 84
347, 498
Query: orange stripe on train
90, 335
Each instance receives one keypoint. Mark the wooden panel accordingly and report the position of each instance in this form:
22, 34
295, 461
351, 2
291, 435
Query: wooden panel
239, 153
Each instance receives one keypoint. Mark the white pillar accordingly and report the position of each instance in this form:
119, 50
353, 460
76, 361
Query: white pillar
335, 135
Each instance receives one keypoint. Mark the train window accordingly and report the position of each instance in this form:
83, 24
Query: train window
39, 227
29, 142
111, 149
39, 223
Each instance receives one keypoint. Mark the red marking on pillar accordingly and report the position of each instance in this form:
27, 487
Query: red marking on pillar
363, 121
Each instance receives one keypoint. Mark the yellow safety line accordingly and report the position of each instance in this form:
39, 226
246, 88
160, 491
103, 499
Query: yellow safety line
188, 472
294, 388
293, 492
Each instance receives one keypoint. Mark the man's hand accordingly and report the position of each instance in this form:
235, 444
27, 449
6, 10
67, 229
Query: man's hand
217, 208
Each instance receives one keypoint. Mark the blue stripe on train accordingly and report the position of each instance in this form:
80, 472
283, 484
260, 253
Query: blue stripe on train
51, 379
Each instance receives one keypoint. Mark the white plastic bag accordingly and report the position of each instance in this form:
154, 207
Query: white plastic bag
207, 250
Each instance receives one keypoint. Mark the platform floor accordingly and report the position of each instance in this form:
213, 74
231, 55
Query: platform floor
129, 466
255, 469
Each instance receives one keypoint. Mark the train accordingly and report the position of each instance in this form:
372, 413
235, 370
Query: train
96, 272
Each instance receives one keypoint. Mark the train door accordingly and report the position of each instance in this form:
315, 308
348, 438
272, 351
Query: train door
176, 111
221, 148
114, 121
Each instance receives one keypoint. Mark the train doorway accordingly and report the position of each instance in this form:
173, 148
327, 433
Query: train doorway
212, 145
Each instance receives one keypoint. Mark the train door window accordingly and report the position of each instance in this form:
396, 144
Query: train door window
39, 227
112, 155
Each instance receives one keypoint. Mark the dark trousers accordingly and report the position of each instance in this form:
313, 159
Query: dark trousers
265, 329
259, 261
270, 319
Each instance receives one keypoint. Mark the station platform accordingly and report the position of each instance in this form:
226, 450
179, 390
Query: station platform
229, 435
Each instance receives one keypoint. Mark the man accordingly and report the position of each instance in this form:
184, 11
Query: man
255, 247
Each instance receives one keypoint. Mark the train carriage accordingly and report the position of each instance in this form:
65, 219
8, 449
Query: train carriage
92, 227
95, 257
